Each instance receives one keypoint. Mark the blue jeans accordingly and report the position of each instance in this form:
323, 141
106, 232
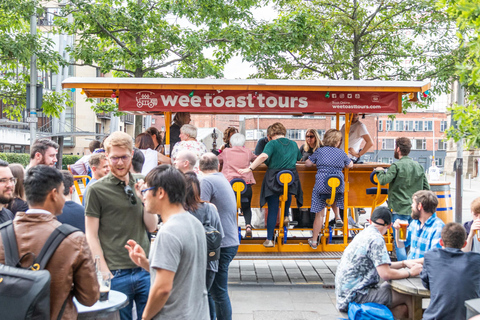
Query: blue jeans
273, 206
219, 290
209, 281
401, 252
135, 283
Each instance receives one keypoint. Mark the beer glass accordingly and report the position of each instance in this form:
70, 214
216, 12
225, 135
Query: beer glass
478, 235
402, 232
105, 283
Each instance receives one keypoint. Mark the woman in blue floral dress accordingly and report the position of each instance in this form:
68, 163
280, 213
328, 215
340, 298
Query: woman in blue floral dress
330, 160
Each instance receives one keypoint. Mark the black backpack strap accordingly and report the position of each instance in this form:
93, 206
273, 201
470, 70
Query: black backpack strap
57, 236
9, 244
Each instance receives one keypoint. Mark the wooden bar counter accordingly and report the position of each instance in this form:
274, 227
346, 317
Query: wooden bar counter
358, 181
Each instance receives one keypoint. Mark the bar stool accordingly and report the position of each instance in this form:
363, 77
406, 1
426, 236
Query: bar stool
333, 182
377, 191
285, 179
239, 187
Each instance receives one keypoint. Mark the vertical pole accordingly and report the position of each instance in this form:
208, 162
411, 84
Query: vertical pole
459, 163
168, 119
33, 82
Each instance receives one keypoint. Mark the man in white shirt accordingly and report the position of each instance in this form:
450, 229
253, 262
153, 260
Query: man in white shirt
434, 172
358, 134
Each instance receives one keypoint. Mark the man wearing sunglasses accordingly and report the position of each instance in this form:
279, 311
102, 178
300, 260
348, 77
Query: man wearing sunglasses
7, 186
114, 215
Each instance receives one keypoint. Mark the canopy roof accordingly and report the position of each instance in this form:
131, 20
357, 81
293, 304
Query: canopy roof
252, 96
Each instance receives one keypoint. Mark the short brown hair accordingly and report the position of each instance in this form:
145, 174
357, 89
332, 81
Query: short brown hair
277, 129
41, 146
404, 144
428, 199
94, 144
118, 139
96, 159
454, 235
475, 206
332, 138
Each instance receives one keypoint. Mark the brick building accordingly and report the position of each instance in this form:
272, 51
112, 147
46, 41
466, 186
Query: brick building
425, 129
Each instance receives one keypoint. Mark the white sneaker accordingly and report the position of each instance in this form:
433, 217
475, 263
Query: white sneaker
268, 244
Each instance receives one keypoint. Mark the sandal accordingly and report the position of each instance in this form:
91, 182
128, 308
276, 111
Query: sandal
312, 244
248, 231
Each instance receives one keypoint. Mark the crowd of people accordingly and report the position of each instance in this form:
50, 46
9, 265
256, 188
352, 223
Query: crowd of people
136, 191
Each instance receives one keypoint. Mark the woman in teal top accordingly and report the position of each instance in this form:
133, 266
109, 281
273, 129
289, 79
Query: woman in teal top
279, 154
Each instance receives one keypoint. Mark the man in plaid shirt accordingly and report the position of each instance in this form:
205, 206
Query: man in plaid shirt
425, 230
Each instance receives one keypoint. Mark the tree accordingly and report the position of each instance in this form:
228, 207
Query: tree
16, 47
467, 119
356, 39
151, 38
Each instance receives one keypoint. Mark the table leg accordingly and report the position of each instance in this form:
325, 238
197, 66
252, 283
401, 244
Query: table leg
417, 311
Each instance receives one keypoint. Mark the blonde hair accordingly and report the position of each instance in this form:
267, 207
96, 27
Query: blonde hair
118, 139
332, 138
318, 142
475, 206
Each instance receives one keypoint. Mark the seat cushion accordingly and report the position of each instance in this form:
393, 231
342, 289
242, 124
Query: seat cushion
373, 190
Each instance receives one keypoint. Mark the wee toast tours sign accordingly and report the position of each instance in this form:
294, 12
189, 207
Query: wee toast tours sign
274, 102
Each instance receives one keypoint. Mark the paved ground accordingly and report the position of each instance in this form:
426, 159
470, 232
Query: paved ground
283, 272
283, 302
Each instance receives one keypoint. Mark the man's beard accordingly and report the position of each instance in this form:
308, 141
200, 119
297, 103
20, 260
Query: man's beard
5, 200
396, 155
415, 214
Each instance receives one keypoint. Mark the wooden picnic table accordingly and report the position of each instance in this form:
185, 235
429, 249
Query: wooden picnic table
416, 290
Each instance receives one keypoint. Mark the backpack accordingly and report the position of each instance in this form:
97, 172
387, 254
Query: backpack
25, 293
214, 239
368, 311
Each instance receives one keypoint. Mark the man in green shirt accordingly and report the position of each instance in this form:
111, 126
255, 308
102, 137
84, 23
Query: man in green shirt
405, 177
115, 215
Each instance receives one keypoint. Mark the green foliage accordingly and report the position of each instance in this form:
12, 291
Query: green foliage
467, 125
466, 13
140, 38
22, 158
17, 45
68, 160
356, 39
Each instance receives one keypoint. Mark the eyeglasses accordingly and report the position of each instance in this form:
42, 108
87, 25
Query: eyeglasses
145, 190
116, 159
130, 195
309, 136
8, 180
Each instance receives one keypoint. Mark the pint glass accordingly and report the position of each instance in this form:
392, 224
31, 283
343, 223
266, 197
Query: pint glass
402, 234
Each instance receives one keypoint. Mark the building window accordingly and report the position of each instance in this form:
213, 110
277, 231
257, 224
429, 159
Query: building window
439, 162
409, 126
442, 145
399, 125
419, 144
389, 125
418, 125
388, 144
321, 133
387, 160
380, 125
296, 134
443, 126
428, 126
